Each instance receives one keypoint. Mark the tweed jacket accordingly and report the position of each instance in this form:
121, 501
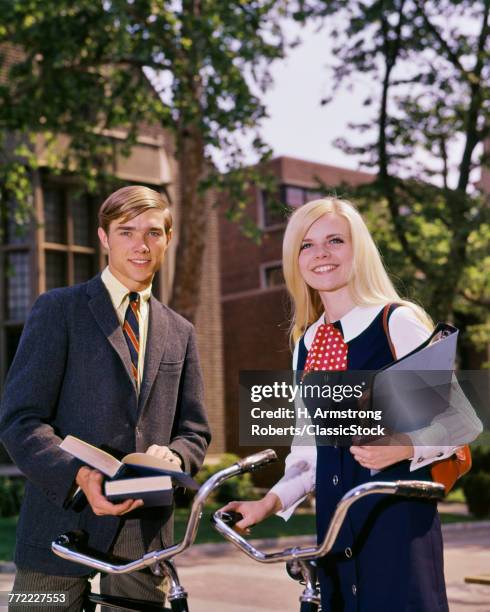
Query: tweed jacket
72, 375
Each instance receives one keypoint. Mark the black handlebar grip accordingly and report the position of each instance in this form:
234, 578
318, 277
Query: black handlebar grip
72, 538
231, 518
428, 492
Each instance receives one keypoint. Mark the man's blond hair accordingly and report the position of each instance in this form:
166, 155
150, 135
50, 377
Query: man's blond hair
129, 202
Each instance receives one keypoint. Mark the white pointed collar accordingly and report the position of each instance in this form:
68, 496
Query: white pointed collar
353, 323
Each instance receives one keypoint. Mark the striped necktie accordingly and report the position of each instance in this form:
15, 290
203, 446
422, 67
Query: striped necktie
131, 329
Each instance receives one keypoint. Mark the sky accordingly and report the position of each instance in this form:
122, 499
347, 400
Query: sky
298, 125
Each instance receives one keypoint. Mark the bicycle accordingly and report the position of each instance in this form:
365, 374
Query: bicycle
72, 546
300, 561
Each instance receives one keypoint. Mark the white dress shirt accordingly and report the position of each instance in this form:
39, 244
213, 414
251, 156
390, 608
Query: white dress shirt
430, 443
119, 294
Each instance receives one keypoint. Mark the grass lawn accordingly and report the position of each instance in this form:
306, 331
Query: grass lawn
7, 538
457, 495
299, 524
447, 518
274, 527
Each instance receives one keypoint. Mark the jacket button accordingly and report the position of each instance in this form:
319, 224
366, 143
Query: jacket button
348, 552
335, 480
354, 589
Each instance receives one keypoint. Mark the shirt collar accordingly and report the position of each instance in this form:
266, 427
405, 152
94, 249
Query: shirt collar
352, 323
120, 292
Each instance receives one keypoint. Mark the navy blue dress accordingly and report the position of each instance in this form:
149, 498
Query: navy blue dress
389, 555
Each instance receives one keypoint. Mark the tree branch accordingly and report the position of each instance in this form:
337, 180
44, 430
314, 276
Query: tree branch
474, 300
452, 57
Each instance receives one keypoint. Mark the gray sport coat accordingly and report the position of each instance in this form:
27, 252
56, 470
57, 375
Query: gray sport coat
72, 375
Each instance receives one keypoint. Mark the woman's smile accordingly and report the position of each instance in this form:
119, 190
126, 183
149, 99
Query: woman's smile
325, 268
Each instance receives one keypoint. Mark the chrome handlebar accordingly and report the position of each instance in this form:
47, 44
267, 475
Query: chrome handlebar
407, 488
72, 545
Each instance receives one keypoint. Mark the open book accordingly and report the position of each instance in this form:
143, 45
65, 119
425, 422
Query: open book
136, 476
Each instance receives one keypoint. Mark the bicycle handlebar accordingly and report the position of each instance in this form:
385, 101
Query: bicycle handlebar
406, 488
72, 545
258, 460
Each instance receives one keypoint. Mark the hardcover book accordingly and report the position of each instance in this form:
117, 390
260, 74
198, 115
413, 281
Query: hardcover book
135, 476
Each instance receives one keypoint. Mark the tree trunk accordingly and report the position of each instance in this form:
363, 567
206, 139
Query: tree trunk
191, 233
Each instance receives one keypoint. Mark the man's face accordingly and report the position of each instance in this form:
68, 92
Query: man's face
136, 248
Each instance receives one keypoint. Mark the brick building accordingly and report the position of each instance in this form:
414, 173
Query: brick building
255, 304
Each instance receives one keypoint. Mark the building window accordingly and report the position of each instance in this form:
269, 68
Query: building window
17, 285
84, 267
297, 196
83, 222
293, 196
54, 216
271, 275
13, 234
275, 214
15, 280
56, 269
69, 235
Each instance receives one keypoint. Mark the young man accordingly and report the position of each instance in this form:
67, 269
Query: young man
108, 363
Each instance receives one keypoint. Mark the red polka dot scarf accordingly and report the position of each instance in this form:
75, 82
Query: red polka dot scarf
328, 350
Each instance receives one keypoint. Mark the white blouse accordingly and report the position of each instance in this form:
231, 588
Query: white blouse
430, 443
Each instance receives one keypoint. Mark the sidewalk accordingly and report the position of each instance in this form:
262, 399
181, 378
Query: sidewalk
218, 578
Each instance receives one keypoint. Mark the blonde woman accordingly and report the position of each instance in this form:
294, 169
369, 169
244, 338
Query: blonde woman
389, 553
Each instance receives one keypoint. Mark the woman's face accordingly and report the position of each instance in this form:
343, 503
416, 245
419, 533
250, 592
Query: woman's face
325, 257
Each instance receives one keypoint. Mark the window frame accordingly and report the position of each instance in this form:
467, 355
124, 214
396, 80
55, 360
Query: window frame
262, 215
65, 185
263, 268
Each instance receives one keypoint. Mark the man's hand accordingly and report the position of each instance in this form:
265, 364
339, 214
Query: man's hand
254, 512
90, 481
383, 452
164, 452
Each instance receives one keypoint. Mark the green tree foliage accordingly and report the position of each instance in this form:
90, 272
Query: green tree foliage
194, 67
426, 66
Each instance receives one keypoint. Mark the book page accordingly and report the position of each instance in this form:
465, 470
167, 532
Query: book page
93, 456
151, 462
138, 485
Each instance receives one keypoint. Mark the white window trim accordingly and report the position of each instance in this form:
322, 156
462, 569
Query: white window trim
263, 267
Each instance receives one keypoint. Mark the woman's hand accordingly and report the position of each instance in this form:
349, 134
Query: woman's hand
383, 452
254, 512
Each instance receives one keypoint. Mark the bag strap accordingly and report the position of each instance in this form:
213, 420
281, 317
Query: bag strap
387, 312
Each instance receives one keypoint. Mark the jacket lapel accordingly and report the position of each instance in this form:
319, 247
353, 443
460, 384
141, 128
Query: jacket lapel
103, 311
155, 345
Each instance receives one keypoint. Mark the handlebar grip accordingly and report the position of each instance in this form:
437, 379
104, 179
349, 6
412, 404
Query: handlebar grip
429, 490
231, 518
72, 538
257, 460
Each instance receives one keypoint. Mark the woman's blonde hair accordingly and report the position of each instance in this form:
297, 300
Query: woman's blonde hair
369, 282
